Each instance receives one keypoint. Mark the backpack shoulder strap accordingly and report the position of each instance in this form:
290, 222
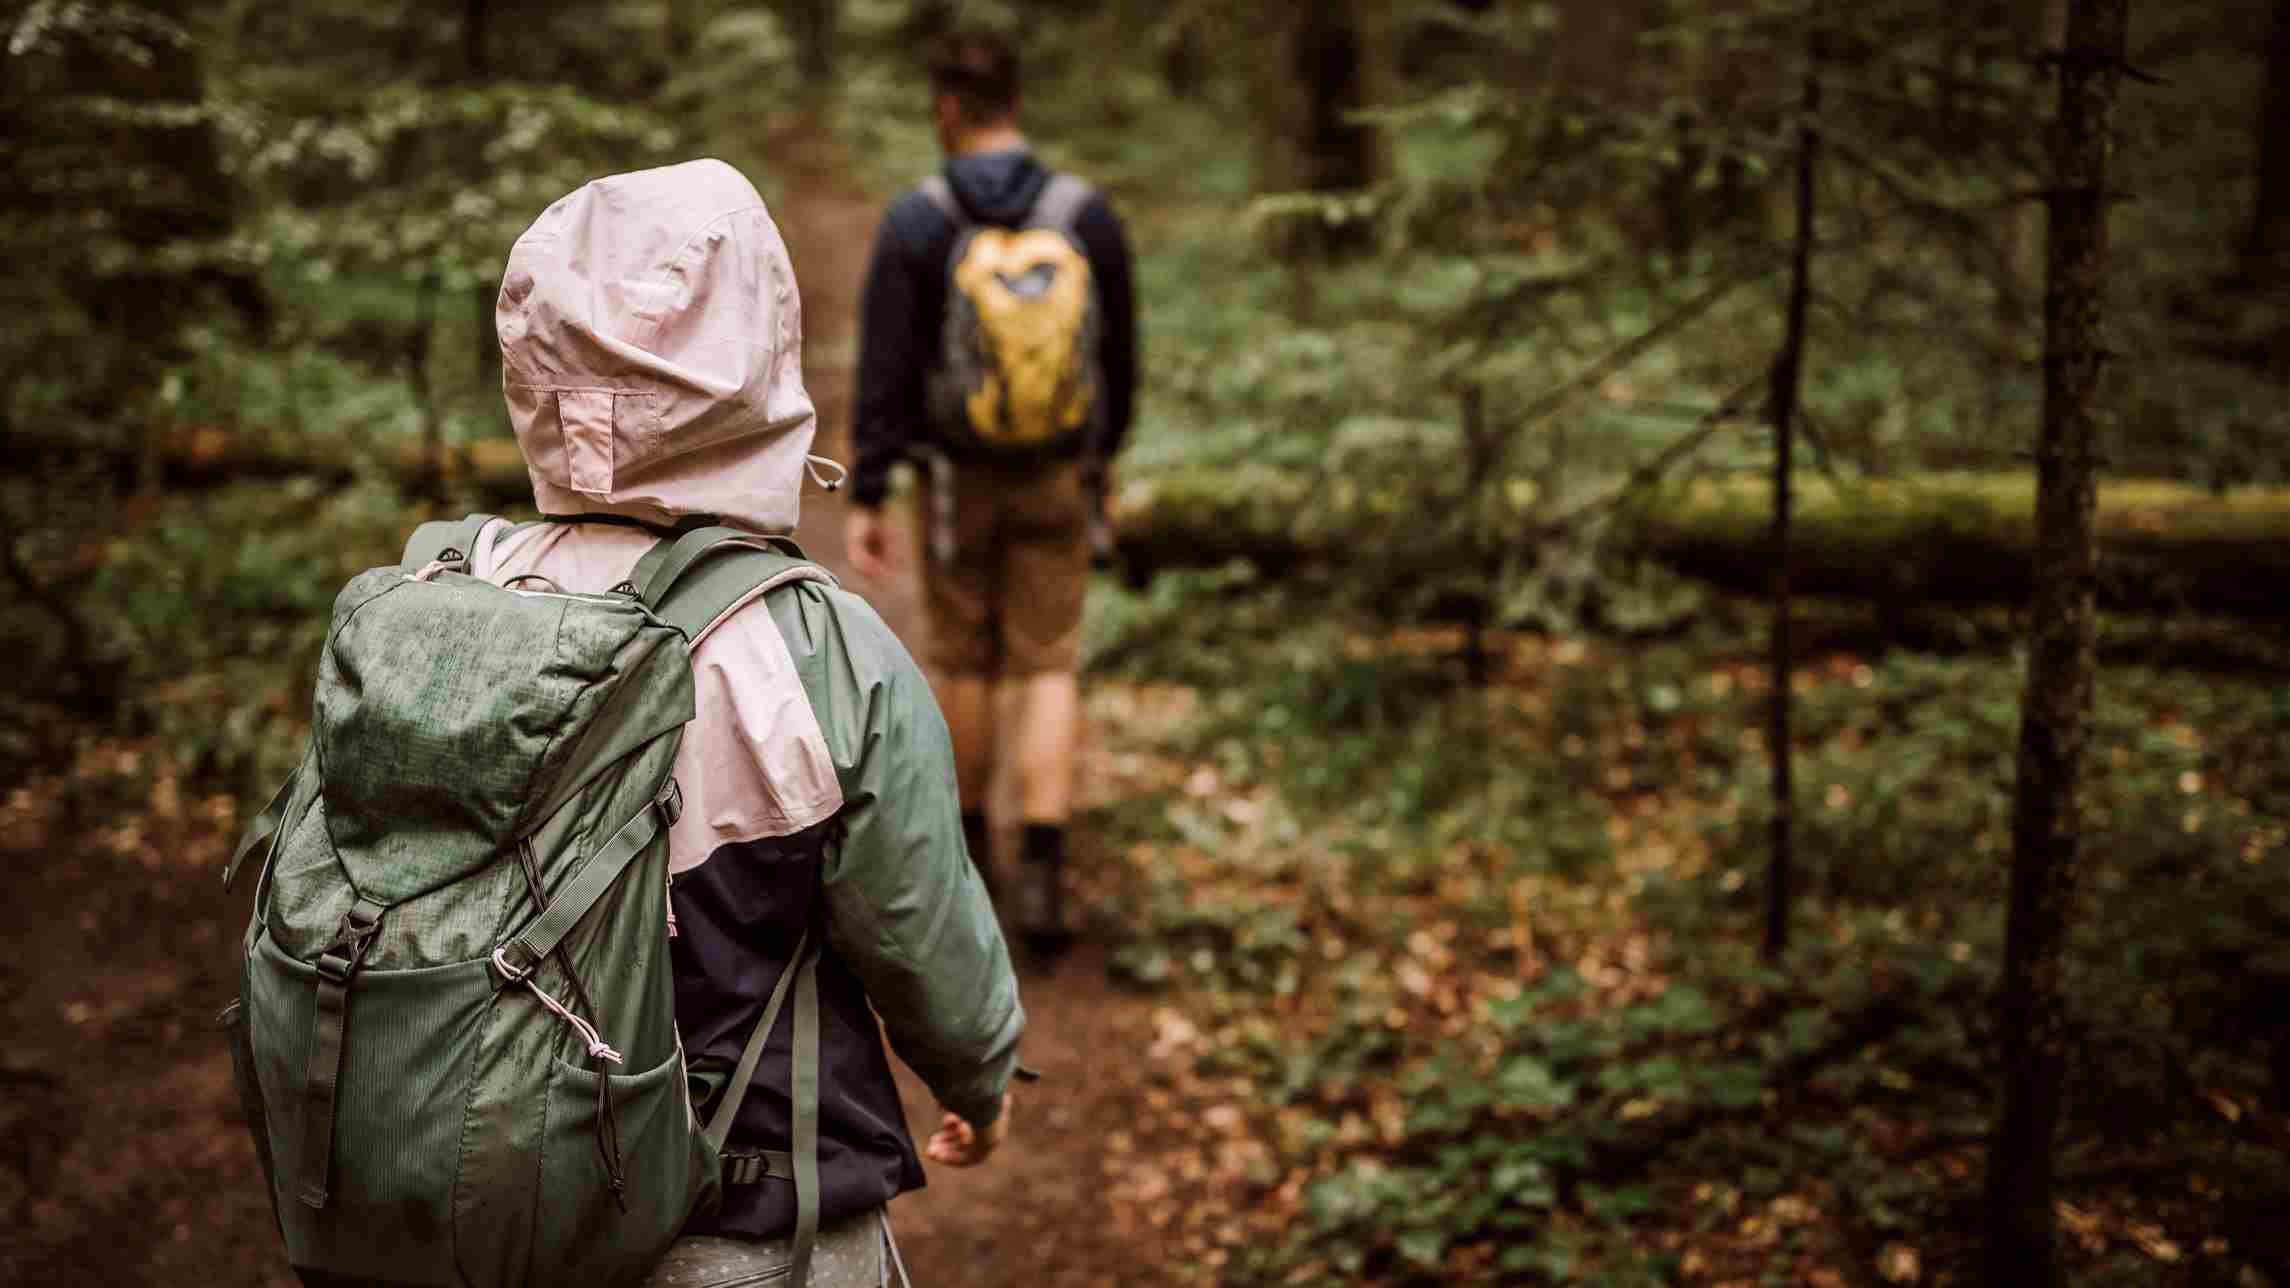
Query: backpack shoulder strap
1060, 202
801, 1164
940, 193
695, 579
448, 541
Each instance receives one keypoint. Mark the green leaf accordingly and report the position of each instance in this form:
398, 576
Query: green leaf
1423, 1247
1528, 1083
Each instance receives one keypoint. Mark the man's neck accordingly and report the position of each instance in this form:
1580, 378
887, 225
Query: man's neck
988, 138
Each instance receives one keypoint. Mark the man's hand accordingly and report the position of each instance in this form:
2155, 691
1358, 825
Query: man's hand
867, 540
958, 1144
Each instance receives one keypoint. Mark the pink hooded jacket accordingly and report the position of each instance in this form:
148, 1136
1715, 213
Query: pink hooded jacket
651, 343
652, 357
652, 352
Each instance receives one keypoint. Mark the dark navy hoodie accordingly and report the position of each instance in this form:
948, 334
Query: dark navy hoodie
903, 309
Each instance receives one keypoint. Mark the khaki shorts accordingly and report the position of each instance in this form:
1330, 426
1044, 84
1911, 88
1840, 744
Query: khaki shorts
1005, 567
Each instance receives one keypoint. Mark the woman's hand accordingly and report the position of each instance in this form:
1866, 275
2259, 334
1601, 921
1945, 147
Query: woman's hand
958, 1144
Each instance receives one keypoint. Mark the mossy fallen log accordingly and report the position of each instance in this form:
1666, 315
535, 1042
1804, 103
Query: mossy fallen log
1942, 539
1930, 539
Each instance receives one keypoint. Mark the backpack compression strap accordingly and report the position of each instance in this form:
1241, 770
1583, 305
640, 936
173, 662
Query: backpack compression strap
264, 828
802, 1166
337, 963
523, 954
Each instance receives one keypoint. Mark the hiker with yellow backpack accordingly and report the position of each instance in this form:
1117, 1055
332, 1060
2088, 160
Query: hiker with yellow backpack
998, 354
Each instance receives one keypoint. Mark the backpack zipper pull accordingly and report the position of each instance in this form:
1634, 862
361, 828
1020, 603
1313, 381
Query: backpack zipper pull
671, 905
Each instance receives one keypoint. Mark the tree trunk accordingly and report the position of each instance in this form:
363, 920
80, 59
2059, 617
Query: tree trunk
474, 57
1788, 378
2056, 703
677, 36
1375, 30
418, 383
1316, 66
1595, 53
1310, 78
483, 298
2266, 247
2043, 25
1480, 484
477, 66
814, 24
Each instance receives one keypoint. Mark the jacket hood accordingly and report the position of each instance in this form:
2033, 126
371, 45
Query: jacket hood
997, 187
652, 352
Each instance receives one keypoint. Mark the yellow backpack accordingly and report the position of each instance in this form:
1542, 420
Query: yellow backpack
1017, 369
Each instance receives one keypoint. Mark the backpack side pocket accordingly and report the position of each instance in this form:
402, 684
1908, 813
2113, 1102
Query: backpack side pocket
233, 1022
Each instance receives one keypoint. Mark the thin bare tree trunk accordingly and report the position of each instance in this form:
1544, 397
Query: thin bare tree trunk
677, 24
418, 382
1376, 32
1788, 378
814, 22
1479, 447
2022, 252
475, 15
477, 66
2266, 246
2056, 703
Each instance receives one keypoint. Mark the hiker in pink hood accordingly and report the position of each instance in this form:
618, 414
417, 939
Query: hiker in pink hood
651, 341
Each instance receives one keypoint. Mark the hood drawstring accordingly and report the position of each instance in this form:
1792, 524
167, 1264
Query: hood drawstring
811, 466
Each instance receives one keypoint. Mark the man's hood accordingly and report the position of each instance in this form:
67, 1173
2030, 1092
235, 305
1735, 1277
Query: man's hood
997, 187
652, 352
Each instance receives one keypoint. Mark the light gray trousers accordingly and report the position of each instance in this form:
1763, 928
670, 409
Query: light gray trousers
856, 1252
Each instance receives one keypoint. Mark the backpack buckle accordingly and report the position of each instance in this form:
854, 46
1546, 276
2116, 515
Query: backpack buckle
340, 958
671, 802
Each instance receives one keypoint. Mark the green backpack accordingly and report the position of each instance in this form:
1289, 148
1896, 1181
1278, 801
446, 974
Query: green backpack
456, 1040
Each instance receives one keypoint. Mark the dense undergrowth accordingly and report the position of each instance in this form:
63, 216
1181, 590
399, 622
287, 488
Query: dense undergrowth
1482, 962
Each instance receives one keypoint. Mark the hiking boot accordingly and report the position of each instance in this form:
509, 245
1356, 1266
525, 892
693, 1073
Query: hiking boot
1042, 924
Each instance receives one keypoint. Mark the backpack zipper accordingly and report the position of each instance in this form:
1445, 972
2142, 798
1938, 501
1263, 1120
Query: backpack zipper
430, 572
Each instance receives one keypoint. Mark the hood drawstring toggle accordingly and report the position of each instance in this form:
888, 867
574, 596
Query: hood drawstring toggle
811, 466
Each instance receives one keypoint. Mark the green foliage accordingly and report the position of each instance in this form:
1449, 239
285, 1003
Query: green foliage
1341, 849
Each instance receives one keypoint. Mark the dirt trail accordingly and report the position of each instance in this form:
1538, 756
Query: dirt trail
1037, 1214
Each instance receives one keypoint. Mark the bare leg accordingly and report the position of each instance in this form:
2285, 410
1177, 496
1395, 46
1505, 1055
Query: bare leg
1049, 733
1049, 742
968, 701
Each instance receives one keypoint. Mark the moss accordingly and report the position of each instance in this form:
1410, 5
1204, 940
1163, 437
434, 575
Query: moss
1946, 538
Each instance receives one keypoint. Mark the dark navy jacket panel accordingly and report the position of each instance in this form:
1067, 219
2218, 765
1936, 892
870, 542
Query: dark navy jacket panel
739, 917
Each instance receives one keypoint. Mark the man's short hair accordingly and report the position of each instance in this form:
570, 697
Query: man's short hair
980, 69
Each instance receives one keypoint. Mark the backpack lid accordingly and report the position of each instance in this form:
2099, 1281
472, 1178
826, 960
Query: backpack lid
452, 716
